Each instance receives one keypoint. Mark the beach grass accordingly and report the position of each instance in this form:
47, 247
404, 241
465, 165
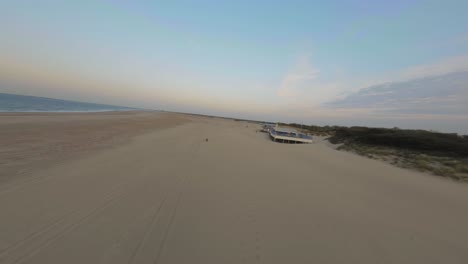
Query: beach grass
451, 167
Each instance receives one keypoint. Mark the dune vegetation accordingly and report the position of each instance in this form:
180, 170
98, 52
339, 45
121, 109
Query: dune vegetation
443, 154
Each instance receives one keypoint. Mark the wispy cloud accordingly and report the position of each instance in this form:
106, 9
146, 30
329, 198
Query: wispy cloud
310, 88
436, 95
437, 68
299, 75
420, 96
442, 67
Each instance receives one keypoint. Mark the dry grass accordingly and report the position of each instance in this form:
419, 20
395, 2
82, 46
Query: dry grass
450, 167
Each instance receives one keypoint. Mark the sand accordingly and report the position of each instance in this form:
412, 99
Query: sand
165, 195
30, 141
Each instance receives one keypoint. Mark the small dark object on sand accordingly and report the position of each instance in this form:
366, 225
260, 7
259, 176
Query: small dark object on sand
206, 139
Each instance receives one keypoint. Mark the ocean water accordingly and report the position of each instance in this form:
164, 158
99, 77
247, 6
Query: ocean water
22, 103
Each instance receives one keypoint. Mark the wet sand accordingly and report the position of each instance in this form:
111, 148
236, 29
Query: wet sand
159, 193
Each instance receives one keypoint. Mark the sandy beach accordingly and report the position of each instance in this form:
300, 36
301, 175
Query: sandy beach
145, 187
31, 141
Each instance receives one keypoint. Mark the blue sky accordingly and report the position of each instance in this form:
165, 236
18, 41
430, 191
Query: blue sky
276, 60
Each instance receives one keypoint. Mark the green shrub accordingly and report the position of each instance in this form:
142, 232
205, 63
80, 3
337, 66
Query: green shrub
440, 144
450, 163
423, 165
444, 171
463, 168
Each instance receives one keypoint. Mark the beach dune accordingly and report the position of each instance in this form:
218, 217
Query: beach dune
143, 187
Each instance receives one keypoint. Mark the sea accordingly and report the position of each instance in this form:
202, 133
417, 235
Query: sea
23, 103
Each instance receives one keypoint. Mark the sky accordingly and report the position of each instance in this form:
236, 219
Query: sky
309, 62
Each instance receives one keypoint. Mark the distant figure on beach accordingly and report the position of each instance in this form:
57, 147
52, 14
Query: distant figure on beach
206, 139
